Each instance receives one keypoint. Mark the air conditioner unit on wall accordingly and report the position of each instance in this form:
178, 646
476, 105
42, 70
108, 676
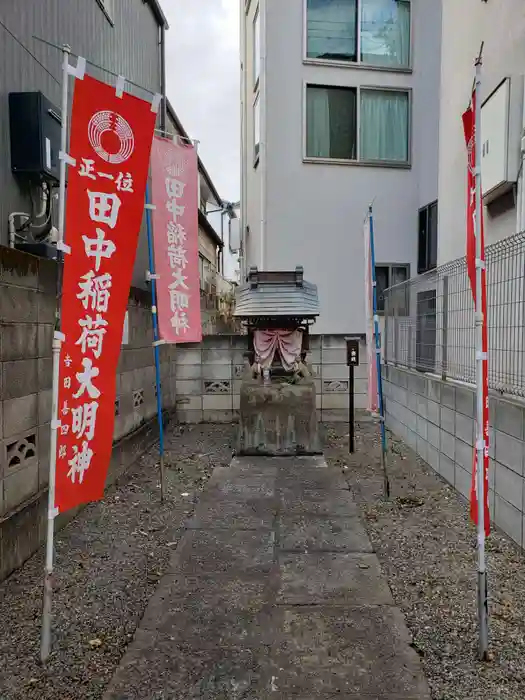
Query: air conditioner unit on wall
501, 127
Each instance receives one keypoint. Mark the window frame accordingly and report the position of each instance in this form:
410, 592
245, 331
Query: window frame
389, 266
426, 210
256, 23
405, 165
357, 64
109, 12
256, 151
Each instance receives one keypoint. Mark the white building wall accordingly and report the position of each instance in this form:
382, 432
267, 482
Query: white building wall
250, 175
501, 25
315, 212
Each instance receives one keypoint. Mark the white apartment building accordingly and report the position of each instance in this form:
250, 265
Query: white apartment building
500, 24
340, 108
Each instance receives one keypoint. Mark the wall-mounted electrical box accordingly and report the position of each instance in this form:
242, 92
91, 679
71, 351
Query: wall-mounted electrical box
235, 236
501, 126
35, 127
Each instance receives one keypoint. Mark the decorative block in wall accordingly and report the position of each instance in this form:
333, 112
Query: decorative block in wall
335, 386
138, 398
217, 387
20, 452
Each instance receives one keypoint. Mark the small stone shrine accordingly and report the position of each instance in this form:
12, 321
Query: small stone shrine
278, 413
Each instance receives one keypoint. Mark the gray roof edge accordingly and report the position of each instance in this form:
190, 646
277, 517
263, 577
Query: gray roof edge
279, 285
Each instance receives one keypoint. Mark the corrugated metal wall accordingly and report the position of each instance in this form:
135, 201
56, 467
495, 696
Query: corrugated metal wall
130, 48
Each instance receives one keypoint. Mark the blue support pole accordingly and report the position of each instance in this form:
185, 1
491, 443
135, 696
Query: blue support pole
378, 355
156, 340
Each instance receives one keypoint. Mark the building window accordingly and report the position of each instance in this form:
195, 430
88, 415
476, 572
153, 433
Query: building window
331, 124
332, 29
387, 276
256, 130
427, 238
371, 32
384, 125
256, 49
108, 8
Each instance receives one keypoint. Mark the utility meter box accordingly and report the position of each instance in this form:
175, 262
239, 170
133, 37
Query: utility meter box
35, 128
501, 127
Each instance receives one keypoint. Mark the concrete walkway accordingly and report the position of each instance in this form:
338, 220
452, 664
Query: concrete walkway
273, 592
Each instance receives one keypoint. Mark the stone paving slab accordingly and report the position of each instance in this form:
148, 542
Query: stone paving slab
332, 579
146, 673
223, 551
241, 487
225, 594
307, 533
353, 650
315, 502
256, 465
310, 478
239, 617
235, 514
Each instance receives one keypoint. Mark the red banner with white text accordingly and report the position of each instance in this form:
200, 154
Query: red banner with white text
110, 145
469, 127
174, 173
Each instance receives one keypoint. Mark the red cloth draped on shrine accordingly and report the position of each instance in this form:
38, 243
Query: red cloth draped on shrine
289, 343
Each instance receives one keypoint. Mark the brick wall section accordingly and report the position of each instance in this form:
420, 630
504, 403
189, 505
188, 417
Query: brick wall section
208, 378
436, 419
27, 314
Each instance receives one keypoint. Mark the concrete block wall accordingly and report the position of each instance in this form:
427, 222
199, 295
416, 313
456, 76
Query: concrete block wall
27, 315
209, 375
436, 419
328, 358
208, 378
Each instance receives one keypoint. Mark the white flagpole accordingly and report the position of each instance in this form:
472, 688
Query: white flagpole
480, 441
45, 641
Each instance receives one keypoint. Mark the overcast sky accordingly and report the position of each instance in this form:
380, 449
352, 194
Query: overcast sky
202, 75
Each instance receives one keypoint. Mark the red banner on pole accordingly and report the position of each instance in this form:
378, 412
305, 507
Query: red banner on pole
469, 127
174, 169
110, 146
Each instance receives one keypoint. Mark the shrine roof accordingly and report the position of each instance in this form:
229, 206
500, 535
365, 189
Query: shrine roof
276, 295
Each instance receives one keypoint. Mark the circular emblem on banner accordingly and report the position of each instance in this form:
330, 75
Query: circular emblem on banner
111, 137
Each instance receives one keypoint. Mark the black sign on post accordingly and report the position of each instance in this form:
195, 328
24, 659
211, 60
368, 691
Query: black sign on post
352, 360
352, 352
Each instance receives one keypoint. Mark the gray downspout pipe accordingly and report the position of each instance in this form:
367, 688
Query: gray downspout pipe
164, 107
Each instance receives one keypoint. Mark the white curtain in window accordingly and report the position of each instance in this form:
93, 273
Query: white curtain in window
384, 125
385, 32
332, 29
318, 123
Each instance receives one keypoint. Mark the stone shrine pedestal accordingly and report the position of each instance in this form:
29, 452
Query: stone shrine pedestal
278, 419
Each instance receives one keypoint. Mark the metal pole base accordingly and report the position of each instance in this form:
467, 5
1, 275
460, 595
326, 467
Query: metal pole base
483, 614
162, 479
386, 481
45, 639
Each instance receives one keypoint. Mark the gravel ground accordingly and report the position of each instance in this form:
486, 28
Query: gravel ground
426, 546
108, 563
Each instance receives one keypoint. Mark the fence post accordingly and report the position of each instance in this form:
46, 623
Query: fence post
444, 330
395, 323
410, 332
387, 336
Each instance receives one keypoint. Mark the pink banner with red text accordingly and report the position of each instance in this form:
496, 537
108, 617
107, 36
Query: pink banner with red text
174, 172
